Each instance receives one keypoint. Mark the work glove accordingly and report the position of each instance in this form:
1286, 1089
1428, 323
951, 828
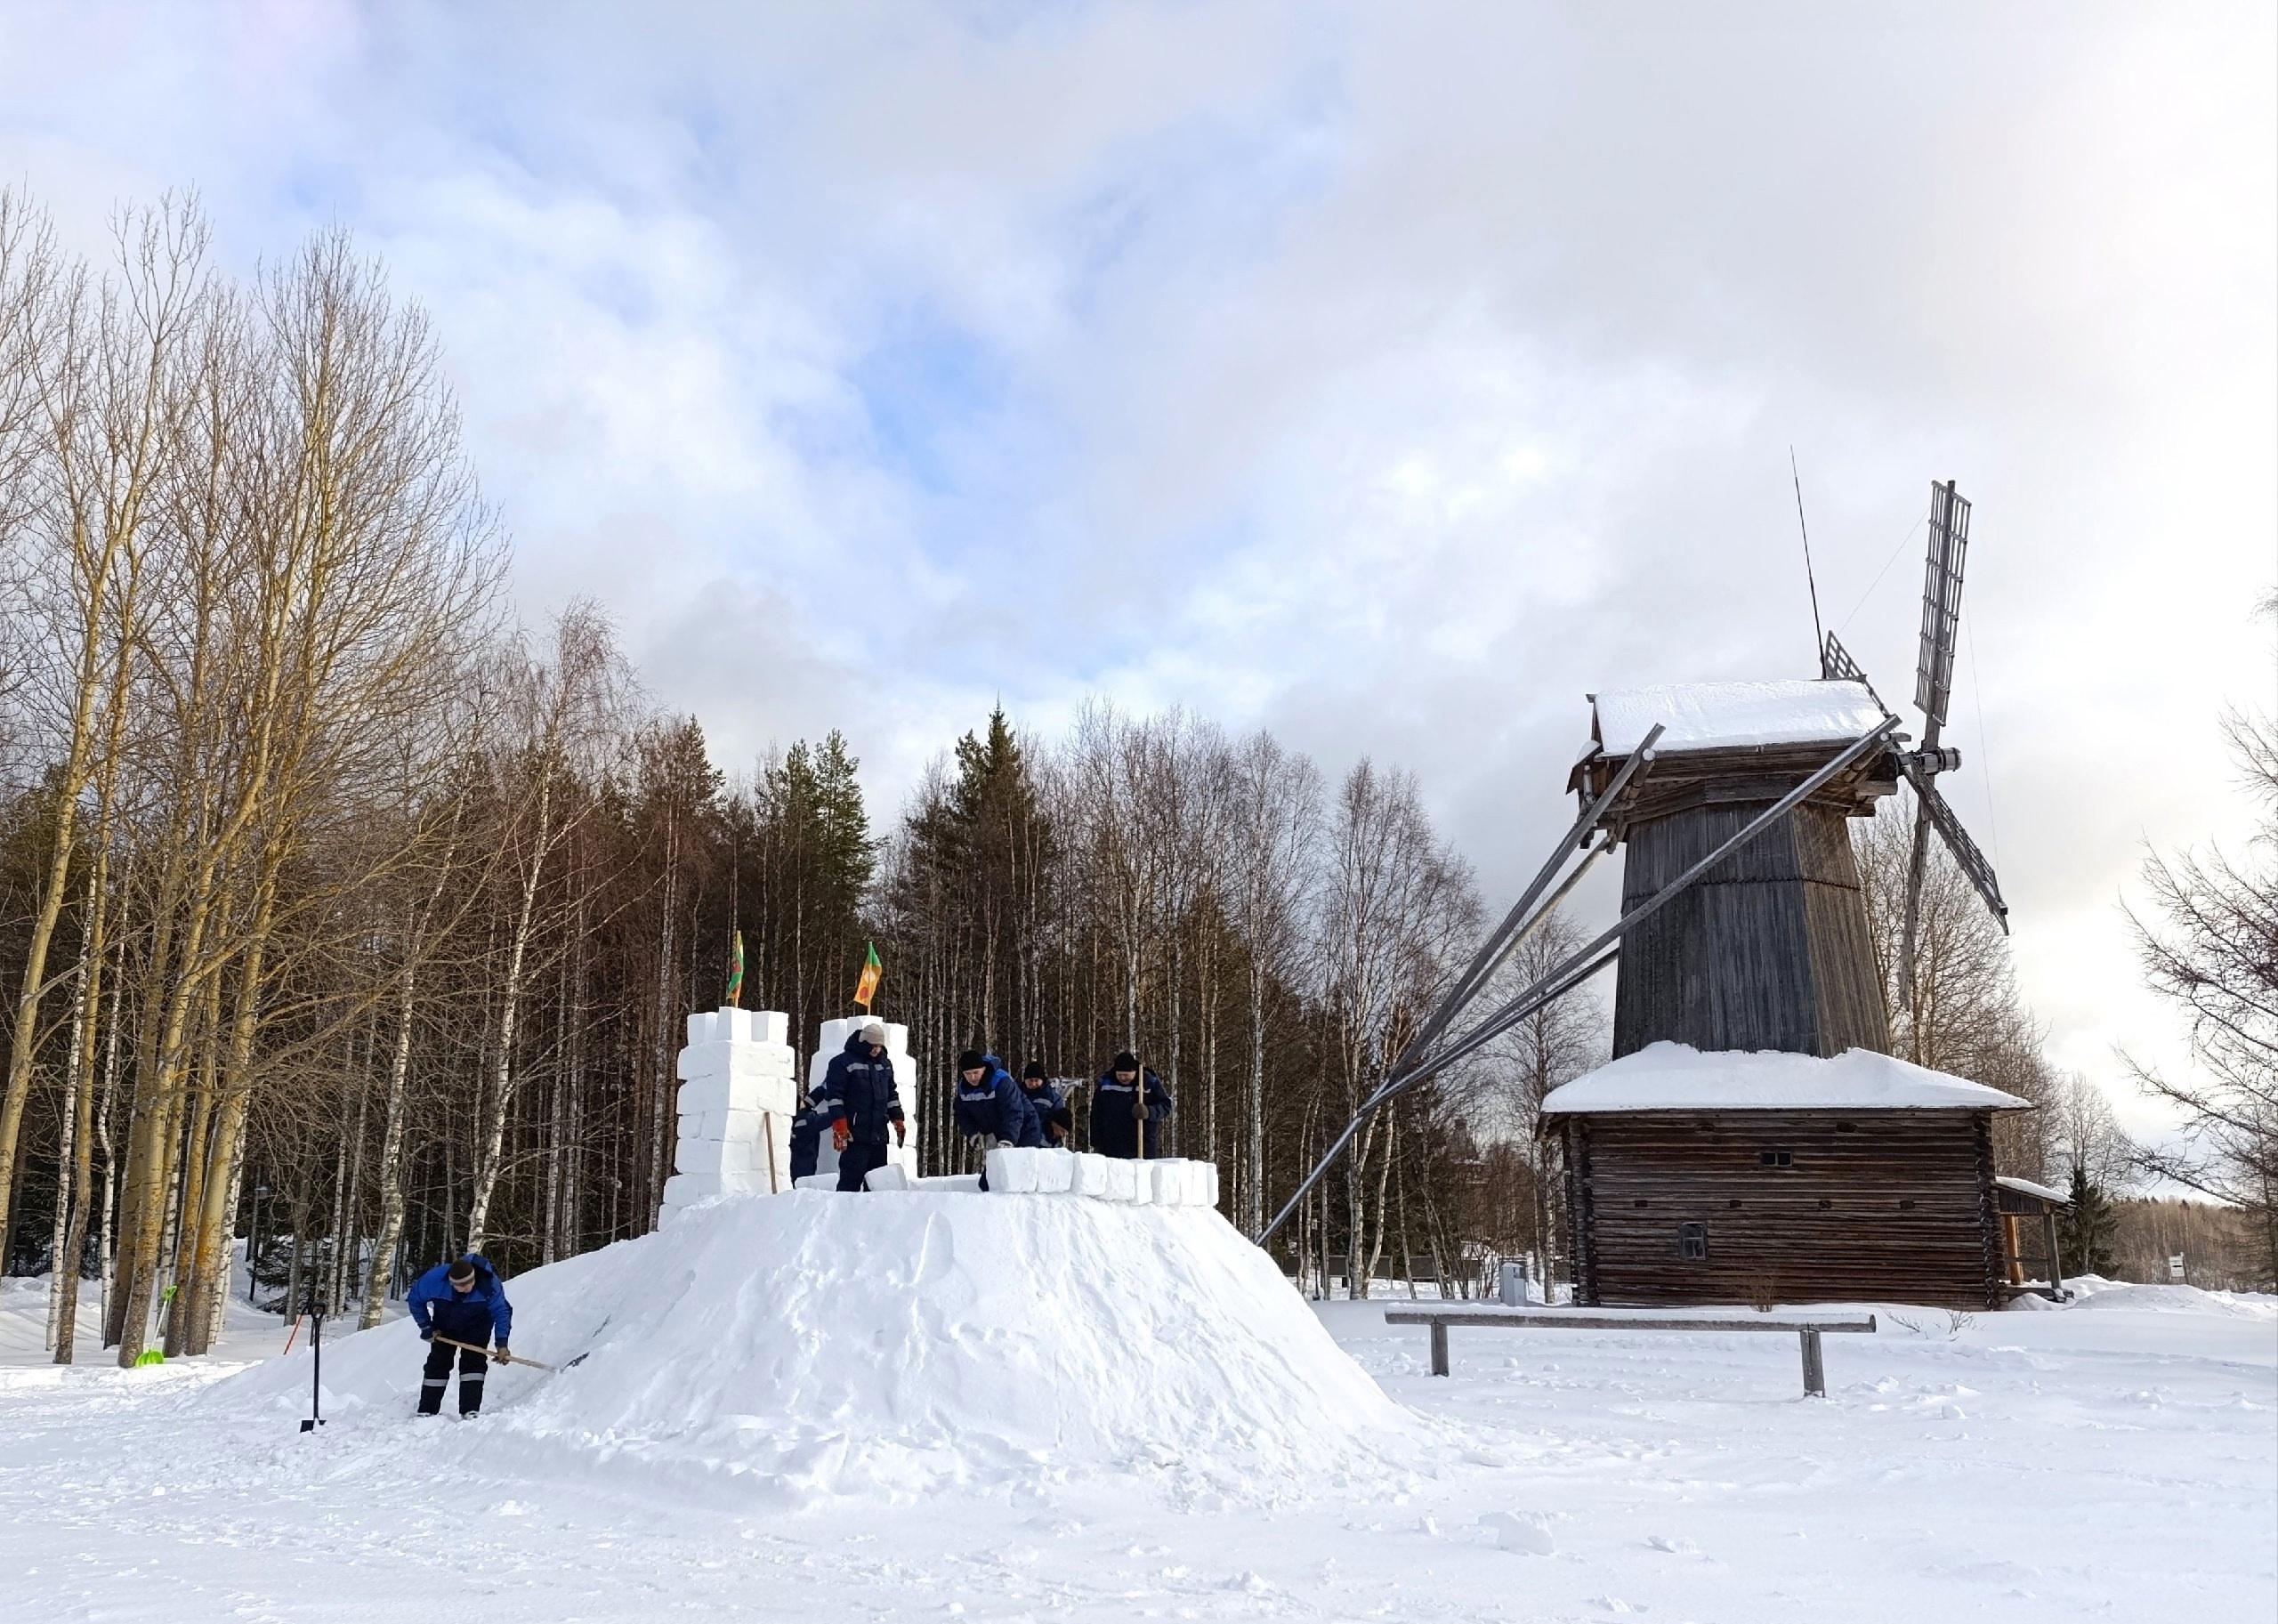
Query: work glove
427, 1336
841, 1136
502, 1356
900, 1134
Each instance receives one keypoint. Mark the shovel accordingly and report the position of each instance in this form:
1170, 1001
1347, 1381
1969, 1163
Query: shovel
505, 1359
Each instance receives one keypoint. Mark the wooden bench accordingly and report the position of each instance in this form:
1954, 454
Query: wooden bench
1807, 1331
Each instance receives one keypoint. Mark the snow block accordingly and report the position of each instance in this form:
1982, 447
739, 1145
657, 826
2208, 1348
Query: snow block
1055, 1170
1167, 1182
1122, 1177
1011, 1172
740, 1059
769, 1026
817, 1181
740, 1091
687, 1189
949, 1183
1209, 1185
1089, 1177
888, 1178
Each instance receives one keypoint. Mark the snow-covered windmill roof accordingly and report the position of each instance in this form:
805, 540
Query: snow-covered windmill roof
1674, 1076
1732, 715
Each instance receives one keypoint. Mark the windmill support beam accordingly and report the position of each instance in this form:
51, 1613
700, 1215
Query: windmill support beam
1577, 968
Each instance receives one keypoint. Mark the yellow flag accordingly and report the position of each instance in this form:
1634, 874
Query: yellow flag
867, 989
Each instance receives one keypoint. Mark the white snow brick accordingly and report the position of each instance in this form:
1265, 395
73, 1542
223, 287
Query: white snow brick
687, 1189
720, 1124
888, 1178
713, 1157
819, 1181
1089, 1175
1167, 1182
950, 1183
1011, 1172
1055, 1171
1210, 1184
740, 1091
743, 1059
769, 1026
1121, 1176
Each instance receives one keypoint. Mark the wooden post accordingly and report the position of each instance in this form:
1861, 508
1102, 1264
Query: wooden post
1814, 1368
2016, 1252
1439, 1347
2055, 1262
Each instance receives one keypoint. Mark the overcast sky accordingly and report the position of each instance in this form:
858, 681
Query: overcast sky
1389, 375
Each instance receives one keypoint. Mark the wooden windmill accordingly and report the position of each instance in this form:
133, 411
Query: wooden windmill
1751, 1042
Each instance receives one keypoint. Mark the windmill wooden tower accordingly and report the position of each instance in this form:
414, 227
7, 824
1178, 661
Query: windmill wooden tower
1753, 1132
1770, 949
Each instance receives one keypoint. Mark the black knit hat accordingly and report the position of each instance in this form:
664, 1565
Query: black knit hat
1035, 1067
1125, 1062
463, 1269
971, 1060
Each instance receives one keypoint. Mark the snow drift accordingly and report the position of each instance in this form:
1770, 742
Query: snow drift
821, 1346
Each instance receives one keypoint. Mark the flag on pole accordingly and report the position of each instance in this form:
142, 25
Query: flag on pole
735, 974
867, 989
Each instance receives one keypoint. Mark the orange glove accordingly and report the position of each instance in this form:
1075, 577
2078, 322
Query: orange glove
841, 1135
900, 1134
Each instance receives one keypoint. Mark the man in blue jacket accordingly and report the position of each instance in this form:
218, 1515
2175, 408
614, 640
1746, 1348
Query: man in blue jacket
859, 1092
991, 1105
1116, 1109
466, 1301
1052, 1112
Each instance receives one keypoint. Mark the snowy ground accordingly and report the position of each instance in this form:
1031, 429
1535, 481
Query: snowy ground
2117, 1460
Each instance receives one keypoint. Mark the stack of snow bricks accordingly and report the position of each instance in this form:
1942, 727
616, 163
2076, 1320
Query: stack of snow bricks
739, 1091
1171, 1182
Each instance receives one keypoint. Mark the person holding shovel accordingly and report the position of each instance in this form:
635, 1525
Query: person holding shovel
465, 1302
1120, 1104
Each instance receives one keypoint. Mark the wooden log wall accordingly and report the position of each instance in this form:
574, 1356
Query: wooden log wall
1881, 1207
1768, 950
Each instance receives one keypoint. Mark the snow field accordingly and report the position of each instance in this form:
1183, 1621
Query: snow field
2115, 1462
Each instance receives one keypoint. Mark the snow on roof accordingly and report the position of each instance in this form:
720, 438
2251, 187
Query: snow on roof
2025, 1186
1676, 1077
1732, 715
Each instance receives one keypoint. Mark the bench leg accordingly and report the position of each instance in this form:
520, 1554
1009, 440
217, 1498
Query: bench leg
1439, 1350
1814, 1366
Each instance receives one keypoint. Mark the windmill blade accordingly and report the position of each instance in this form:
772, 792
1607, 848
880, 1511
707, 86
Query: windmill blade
1934, 674
1930, 803
1836, 664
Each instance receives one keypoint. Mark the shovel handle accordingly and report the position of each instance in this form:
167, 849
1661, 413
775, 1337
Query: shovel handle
504, 1358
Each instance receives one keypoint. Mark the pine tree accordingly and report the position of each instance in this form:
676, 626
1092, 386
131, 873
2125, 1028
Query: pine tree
2085, 1228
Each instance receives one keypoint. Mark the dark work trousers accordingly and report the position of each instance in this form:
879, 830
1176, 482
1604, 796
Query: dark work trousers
855, 1162
438, 1375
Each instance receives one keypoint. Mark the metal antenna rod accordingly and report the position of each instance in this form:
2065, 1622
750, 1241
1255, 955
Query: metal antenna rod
1576, 968
1818, 632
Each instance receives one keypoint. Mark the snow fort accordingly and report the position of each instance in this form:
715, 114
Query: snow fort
1083, 1317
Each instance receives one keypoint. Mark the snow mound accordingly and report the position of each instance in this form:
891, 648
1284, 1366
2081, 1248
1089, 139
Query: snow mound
820, 1347
1677, 1076
2175, 1299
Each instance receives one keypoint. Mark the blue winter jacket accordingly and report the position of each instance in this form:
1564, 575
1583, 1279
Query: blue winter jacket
1113, 1132
481, 1315
996, 1106
860, 1092
1045, 1099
